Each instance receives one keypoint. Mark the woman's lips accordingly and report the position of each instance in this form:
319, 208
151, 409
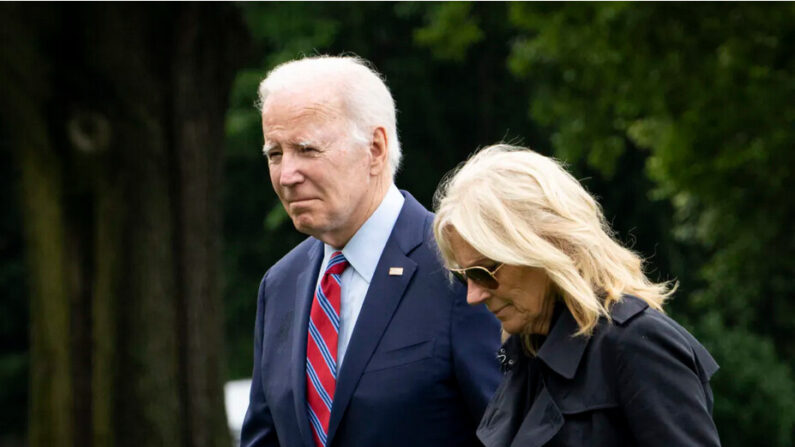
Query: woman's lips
502, 311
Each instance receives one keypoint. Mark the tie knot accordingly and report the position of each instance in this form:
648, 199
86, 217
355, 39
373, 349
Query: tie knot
337, 264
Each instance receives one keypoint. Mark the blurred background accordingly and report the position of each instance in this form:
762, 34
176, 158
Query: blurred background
138, 218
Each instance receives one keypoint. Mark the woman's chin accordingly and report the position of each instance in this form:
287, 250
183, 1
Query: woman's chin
511, 327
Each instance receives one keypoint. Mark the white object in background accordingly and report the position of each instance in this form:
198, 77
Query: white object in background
236, 399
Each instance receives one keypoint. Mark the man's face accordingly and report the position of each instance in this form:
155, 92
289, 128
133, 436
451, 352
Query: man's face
321, 176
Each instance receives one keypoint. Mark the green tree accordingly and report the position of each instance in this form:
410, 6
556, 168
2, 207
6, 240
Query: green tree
13, 307
114, 116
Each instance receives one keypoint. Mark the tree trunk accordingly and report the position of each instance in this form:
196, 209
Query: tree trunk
115, 113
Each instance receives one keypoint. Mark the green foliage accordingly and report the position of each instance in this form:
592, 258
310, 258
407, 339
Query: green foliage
706, 91
451, 31
754, 391
288, 29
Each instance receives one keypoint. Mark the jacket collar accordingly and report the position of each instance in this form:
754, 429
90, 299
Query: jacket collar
562, 351
406, 232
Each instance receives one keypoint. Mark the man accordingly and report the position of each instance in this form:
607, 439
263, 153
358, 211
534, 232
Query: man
360, 339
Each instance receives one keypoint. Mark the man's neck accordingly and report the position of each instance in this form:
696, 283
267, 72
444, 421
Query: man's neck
339, 239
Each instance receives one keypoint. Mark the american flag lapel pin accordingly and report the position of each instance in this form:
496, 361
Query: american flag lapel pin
395, 271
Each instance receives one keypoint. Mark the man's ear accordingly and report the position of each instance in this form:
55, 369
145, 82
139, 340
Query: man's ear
379, 151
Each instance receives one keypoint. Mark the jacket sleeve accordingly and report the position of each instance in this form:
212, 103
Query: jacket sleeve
258, 429
475, 340
662, 386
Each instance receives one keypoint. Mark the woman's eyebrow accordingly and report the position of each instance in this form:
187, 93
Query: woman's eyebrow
479, 262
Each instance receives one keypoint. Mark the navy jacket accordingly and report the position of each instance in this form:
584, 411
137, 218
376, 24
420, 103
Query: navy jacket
419, 369
641, 380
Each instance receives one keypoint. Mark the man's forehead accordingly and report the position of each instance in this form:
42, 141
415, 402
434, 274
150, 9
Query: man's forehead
302, 118
303, 133
308, 124
300, 102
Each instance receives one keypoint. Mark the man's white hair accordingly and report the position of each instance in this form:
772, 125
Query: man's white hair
366, 98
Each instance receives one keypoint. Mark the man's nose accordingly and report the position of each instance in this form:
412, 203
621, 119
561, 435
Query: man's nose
476, 294
289, 171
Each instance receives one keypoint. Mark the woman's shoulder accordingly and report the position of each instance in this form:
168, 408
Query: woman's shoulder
639, 333
632, 317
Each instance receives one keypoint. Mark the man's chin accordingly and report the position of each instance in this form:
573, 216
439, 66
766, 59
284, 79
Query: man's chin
306, 225
298, 207
303, 227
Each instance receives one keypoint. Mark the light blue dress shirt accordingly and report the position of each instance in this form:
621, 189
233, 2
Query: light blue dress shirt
363, 252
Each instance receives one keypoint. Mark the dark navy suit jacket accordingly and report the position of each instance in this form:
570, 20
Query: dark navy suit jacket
419, 369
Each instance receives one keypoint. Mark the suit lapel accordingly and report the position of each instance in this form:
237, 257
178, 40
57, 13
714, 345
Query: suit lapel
382, 300
305, 291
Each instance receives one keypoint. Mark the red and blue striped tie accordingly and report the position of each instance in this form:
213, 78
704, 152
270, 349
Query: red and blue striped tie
321, 348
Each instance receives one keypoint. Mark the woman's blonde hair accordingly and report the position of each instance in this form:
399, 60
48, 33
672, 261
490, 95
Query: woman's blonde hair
519, 207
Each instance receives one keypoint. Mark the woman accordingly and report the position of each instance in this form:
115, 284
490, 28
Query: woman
590, 358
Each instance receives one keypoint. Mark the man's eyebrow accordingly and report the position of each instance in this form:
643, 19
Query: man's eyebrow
303, 144
268, 147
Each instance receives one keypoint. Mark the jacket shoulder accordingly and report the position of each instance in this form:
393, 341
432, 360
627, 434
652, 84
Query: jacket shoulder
637, 328
627, 308
298, 255
296, 259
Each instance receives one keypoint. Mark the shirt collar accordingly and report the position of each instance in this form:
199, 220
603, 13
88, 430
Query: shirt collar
364, 249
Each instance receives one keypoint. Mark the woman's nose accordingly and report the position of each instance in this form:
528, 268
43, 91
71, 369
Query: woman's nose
476, 294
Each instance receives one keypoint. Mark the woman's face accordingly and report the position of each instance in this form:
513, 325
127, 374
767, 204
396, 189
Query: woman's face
520, 301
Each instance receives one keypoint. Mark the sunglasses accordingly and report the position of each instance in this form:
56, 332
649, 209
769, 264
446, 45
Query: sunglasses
479, 275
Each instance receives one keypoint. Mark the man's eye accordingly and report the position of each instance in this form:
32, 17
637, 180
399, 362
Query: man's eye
274, 155
307, 149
